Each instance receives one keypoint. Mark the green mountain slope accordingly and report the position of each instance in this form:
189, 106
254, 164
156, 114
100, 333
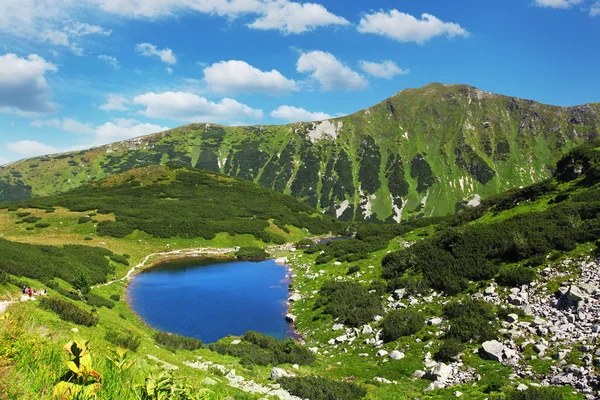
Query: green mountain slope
169, 201
421, 152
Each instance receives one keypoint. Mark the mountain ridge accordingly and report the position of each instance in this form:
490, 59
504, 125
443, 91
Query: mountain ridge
421, 152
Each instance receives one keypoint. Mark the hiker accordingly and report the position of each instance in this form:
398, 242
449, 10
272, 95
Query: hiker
24, 289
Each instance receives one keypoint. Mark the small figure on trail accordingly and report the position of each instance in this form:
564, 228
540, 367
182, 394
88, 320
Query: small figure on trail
24, 289
29, 292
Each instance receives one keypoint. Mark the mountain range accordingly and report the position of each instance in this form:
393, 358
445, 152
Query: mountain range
422, 152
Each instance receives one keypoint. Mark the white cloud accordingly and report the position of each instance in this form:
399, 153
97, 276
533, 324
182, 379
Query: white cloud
66, 124
122, 129
406, 28
83, 29
114, 102
238, 76
295, 114
166, 55
23, 86
330, 72
169, 70
557, 3
189, 107
289, 17
161, 8
31, 148
386, 70
595, 9
109, 60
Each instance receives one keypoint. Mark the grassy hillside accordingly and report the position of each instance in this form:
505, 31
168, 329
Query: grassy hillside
171, 201
421, 152
429, 280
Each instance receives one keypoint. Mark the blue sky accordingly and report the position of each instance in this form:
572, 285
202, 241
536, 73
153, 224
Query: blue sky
80, 73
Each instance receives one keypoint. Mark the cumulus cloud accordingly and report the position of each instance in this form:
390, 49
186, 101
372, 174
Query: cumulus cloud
122, 129
166, 55
595, 9
238, 76
295, 114
23, 86
109, 60
406, 28
115, 102
386, 70
161, 8
189, 107
556, 3
32, 148
329, 72
289, 17
73, 31
66, 124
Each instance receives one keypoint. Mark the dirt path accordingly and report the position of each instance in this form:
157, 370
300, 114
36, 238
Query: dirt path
4, 304
200, 252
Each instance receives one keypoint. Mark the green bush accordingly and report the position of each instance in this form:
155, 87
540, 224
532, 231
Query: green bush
4, 278
400, 323
260, 349
353, 269
471, 320
115, 297
42, 225
317, 388
84, 219
349, 302
516, 276
23, 214
127, 340
536, 394
82, 281
32, 219
68, 311
449, 349
119, 259
98, 301
251, 254
177, 342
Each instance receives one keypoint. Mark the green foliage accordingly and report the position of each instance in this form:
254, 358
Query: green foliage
4, 277
42, 225
163, 385
178, 342
398, 323
194, 204
127, 340
32, 219
449, 349
536, 394
82, 281
349, 302
81, 381
251, 253
317, 388
119, 259
119, 359
84, 219
68, 311
304, 243
23, 214
115, 297
516, 276
97, 301
353, 269
471, 320
260, 349
47, 262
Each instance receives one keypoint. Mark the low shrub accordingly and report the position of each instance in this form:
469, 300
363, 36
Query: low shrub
349, 302
4, 278
260, 349
127, 340
536, 394
42, 225
251, 254
516, 276
98, 301
177, 342
317, 388
471, 320
68, 311
400, 323
115, 297
32, 219
84, 219
23, 214
353, 269
449, 349
119, 259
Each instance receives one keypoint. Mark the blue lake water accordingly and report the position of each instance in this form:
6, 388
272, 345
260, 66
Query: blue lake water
209, 299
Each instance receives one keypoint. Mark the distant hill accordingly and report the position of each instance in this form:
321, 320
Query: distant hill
422, 152
173, 201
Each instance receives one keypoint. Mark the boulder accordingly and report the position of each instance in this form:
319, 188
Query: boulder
396, 355
277, 373
573, 298
512, 318
434, 321
419, 374
338, 327
493, 350
440, 373
382, 380
289, 317
522, 387
209, 381
382, 353
236, 341
295, 297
